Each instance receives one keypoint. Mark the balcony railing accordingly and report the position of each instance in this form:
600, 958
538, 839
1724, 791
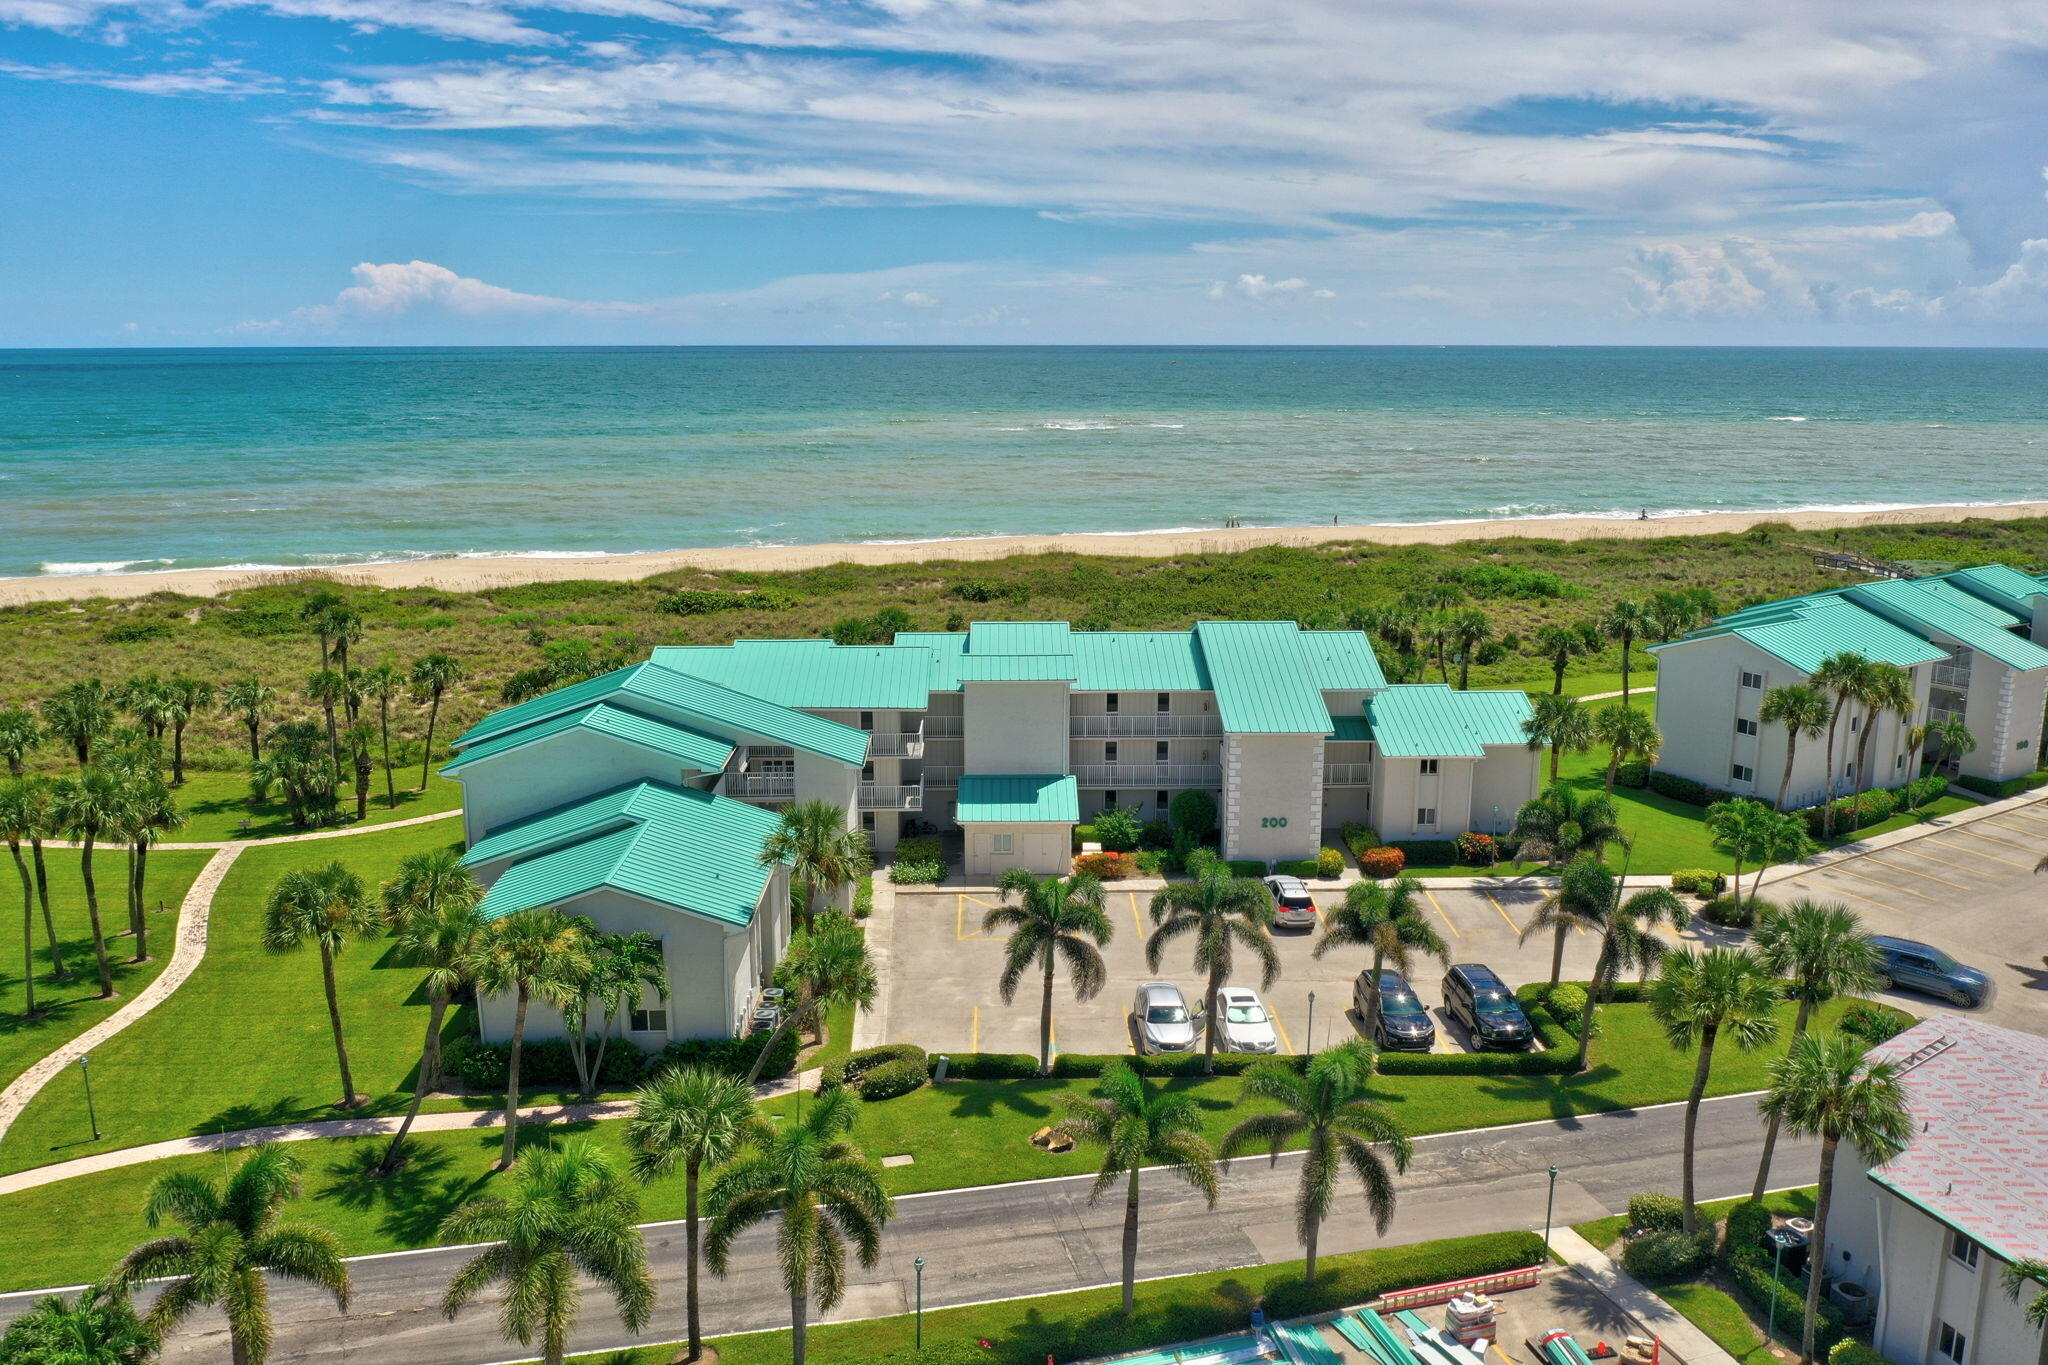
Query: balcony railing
1143, 723
944, 727
1952, 675
942, 774
880, 796
760, 787
1347, 775
907, 744
1150, 774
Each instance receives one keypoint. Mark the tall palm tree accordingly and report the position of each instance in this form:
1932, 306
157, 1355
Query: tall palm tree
1137, 1126
433, 903
1626, 622
1821, 951
37, 814
1803, 710
151, 812
88, 807
1468, 630
570, 1215
1221, 912
821, 852
1562, 724
1331, 1108
383, 683
328, 907
431, 678
1626, 929
232, 1241
1954, 738
188, 697
1916, 740
691, 1119
1697, 995
148, 698
1558, 646
327, 689
2015, 1279
1839, 678
21, 734
1564, 822
98, 1327
1388, 920
520, 955
79, 715
17, 817
826, 965
252, 702
1052, 922
1582, 900
821, 1191
316, 612
1825, 1087
1886, 688
357, 739
1742, 828
1628, 734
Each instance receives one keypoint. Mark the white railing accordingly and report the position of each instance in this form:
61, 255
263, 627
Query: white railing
1149, 774
1143, 723
1347, 774
877, 796
745, 785
944, 727
907, 744
942, 775
1952, 675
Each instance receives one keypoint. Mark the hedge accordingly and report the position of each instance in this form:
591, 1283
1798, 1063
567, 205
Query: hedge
1384, 861
1358, 837
1566, 1005
2012, 786
863, 898
1686, 790
1854, 812
1669, 1254
546, 1062
1245, 867
1428, 852
1634, 773
1850, 1351
857, 1064
987, 1066
1699, 881
1652, 1212
903, 873
1084, 1065
891, 1079
1106, 866
920, 848
1327, 866
1750, 1268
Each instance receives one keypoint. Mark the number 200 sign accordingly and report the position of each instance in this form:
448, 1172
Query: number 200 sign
1273, 822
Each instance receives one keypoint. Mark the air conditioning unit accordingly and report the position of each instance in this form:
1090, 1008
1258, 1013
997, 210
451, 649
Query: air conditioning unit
1851, 1300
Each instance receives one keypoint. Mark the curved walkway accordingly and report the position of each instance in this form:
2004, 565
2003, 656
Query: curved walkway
194, 914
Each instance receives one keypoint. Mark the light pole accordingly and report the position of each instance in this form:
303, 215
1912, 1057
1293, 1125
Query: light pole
1548, 1205
91, 1114
1311, 1023
919, 1265
1777, 1273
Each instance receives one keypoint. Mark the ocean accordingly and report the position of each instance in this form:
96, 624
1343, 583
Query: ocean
135, 460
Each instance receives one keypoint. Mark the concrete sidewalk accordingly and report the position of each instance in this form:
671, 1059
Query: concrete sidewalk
1651, 1314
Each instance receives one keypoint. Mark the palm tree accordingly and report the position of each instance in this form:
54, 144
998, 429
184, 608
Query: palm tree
1468, 631
1885, 688
327, 907
148, 698
1916, 740
1824, 1087
1784, 840
569, 1215
1675, 613
431, 677
21, 734
383, 682
1628, 734
826, 965
1803, 710
1821, 951
1839, 678
298, 764
1564, 822
1697, 995
251, 701
38, 820
151, 813
1137, 1127
1388, 920
1954, 737
80, 714
1582, 900
358, 737
1221, 911
1053, 921
1562, 723
618, 968
1742, 829
87, 807
821, 1191
188, 697
1558, 646
821, 852
1626, 622
232, 1240
99, 1327
519, 955
317, 611
693, 1119
17, 817
2014, 1279
1331, 1108
1626, 930
433, 902
327, 689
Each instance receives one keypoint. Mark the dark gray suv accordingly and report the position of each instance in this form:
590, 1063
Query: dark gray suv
1922, 967
1483, 1003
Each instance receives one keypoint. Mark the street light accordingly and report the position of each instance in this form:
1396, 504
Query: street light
92, 1115
919, 1265
1311, 1023
1548, 1205
1777, 1275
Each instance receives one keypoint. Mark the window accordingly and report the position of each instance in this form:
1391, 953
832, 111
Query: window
1002, 845
867, 771
1855, 724
1961, 1248
1165, 702
1109, 752
1898, 761
1745, 727
867, 720
1109, 798
1954, 1345
867, 819
1425, 816
1109, 702
1159, 752
1754, 681
1742, 773
1427, 767
1161, 796
652, 1019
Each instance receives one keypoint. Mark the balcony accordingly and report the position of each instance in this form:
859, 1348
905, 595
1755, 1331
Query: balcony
885, 796
942, 774
761, 787
1347, 774
907, 744
1155, 775
943, 727
1140, 723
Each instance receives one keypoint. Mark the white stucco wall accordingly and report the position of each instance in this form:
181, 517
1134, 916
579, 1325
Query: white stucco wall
1507, 778
1016, 727
1040, 848
1272, 796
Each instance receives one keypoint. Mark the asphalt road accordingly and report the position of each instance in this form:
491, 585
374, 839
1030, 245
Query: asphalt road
1043, 1237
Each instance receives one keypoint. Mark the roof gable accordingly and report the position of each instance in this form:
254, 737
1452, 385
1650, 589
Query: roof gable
1262, 681
707, 753
813, 674
1946, 609
1430, 720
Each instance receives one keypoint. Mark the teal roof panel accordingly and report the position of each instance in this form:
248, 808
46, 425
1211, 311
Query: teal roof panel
1019, 637
1342, 660
1804, 631
1018, 798
1138, 661
2007, 587
1430, 720
813, 675
708, 753
1016, 668
1350, 729
1946, 609
1262, 681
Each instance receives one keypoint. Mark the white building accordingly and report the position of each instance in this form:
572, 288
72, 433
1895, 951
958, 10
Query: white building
1928, 1232
1974, 643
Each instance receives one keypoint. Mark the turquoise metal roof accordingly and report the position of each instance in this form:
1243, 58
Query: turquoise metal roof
1138, 661
1946, 609
1018, 637
1014, 798
1015, 668
696, 701
1262, 682
813, 674
1350, 729
690, 850
1804, 631
1430, 720
706, 752
2007, 587
1342, 660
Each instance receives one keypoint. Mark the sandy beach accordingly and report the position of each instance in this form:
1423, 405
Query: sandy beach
468, 574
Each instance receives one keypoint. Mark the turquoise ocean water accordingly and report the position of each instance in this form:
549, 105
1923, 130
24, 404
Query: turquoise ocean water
135, 460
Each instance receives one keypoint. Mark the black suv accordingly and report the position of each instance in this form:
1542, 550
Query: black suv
1483, 1003
1404, 1025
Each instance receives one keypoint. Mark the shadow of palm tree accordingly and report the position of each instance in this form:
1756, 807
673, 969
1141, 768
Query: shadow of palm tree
1016, 1097
353, 1181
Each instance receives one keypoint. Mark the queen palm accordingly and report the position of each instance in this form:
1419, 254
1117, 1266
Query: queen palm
1388, 920
1825, 1087
88, 807
433, 903
328, 907
1821, 951
1054, 921
1803, 710
21, 734
821, 1191
252, 702
1626, 622
1561, 724
1222, 912
431, 677
17, 816
826, 965
232, 1242
188, 697
97, 1327
689, 1119
1840, 679
570, 1216
519, 955
2015, 1279
822, 854
79, 715
1627, 931
1329, 1111
1628, 734
1697, 996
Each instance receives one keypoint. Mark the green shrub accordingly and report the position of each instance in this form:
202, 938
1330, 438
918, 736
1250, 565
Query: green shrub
1151, 862
1512, 580
1853, 812
1428, 852
1086, 1065
1117, 829
890, 1080
135, 632
988, 1066
857, 1064
916, 874
1651, 1212
1634, 773
1730, 912
1750, 1268
1984, 786
1556, 1062
863, 898
1566, 1004
1850, 1351
1667, 1255
1699, 881
543, 1062
1475, 849
1384, 861
1155, 835
1921, 790
1106, 867
1746, 1226
1685, 789
1329, 864
919, 848
1295, 867
1193, 813
1874, 1023
1360, 837
1246, 867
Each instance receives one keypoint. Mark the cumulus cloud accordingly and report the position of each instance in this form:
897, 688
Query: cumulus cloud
393, 290
1259, 287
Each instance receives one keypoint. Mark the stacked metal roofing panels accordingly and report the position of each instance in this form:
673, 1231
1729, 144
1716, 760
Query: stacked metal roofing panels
1803, 631
707, 753
1341, 660
1261, 679
1019, 637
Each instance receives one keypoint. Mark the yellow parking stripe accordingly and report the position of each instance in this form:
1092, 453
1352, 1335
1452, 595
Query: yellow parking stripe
1980, 853
960, 930
974, 1031
1923, 853
1502, 908
1134, 913
1440, 910
1838, 891
1915, 872
1281, 1029
1976, 833
1877, 881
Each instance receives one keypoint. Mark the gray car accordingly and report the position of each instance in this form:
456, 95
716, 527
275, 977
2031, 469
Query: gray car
1293, 907
1915, 966
1160, 1013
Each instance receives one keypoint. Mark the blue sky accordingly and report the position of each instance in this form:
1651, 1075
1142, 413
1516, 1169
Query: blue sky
335, 172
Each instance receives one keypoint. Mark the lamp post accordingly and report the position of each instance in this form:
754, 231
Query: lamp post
1311, 1023
918, 1264
91, 1114
1548, 1205
1777, 1273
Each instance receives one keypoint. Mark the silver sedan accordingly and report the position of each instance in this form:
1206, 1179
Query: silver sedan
1160, 1012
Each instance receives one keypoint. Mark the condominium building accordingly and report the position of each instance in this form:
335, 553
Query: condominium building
1973, 642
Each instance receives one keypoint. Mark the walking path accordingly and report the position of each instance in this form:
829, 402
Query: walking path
1654, 1316
295, 838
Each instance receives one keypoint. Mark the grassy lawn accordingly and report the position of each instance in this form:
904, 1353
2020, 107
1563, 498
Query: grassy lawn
1605, 1232
216, 804
72, 1006
1722, 1318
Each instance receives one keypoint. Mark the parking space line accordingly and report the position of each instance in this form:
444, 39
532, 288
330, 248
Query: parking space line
1915, 872
1922, 853
960, 934
974, 1031
1838, 891
1440, 910
1976, 833
1877, 881
2026, 817
1134, 913
1281, 1028
1502, 908
1980, 853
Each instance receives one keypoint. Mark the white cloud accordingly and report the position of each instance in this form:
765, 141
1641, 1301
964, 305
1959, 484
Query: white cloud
394, 290
910, 298
218, 78
1735, 277
1259, 287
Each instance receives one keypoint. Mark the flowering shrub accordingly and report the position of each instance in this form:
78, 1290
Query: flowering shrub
1329, 864
1106, 866
1382, 862
1476, 849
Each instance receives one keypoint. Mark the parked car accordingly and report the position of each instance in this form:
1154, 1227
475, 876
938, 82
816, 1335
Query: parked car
1293, 907
1161, 1014
1922, 967
1482, 1002
1242, 1022
1404, 1024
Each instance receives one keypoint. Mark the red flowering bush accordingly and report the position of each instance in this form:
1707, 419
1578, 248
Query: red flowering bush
1382, 862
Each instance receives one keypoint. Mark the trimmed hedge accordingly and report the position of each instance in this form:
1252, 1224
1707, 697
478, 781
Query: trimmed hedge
1652, 1212
1669, 1254
902, 873
1747, 1223
1566, 1005
546, 1062
1850, 1351
920, 848
891, 1079
1854, 812
1084, 1066
1428, 852
987, 1066
1358, 837
1384, 861
1634, 773
1699, 881
1106, 866
1685, 789
2012, 786
857, 1064
1245, 867
1750, 1268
